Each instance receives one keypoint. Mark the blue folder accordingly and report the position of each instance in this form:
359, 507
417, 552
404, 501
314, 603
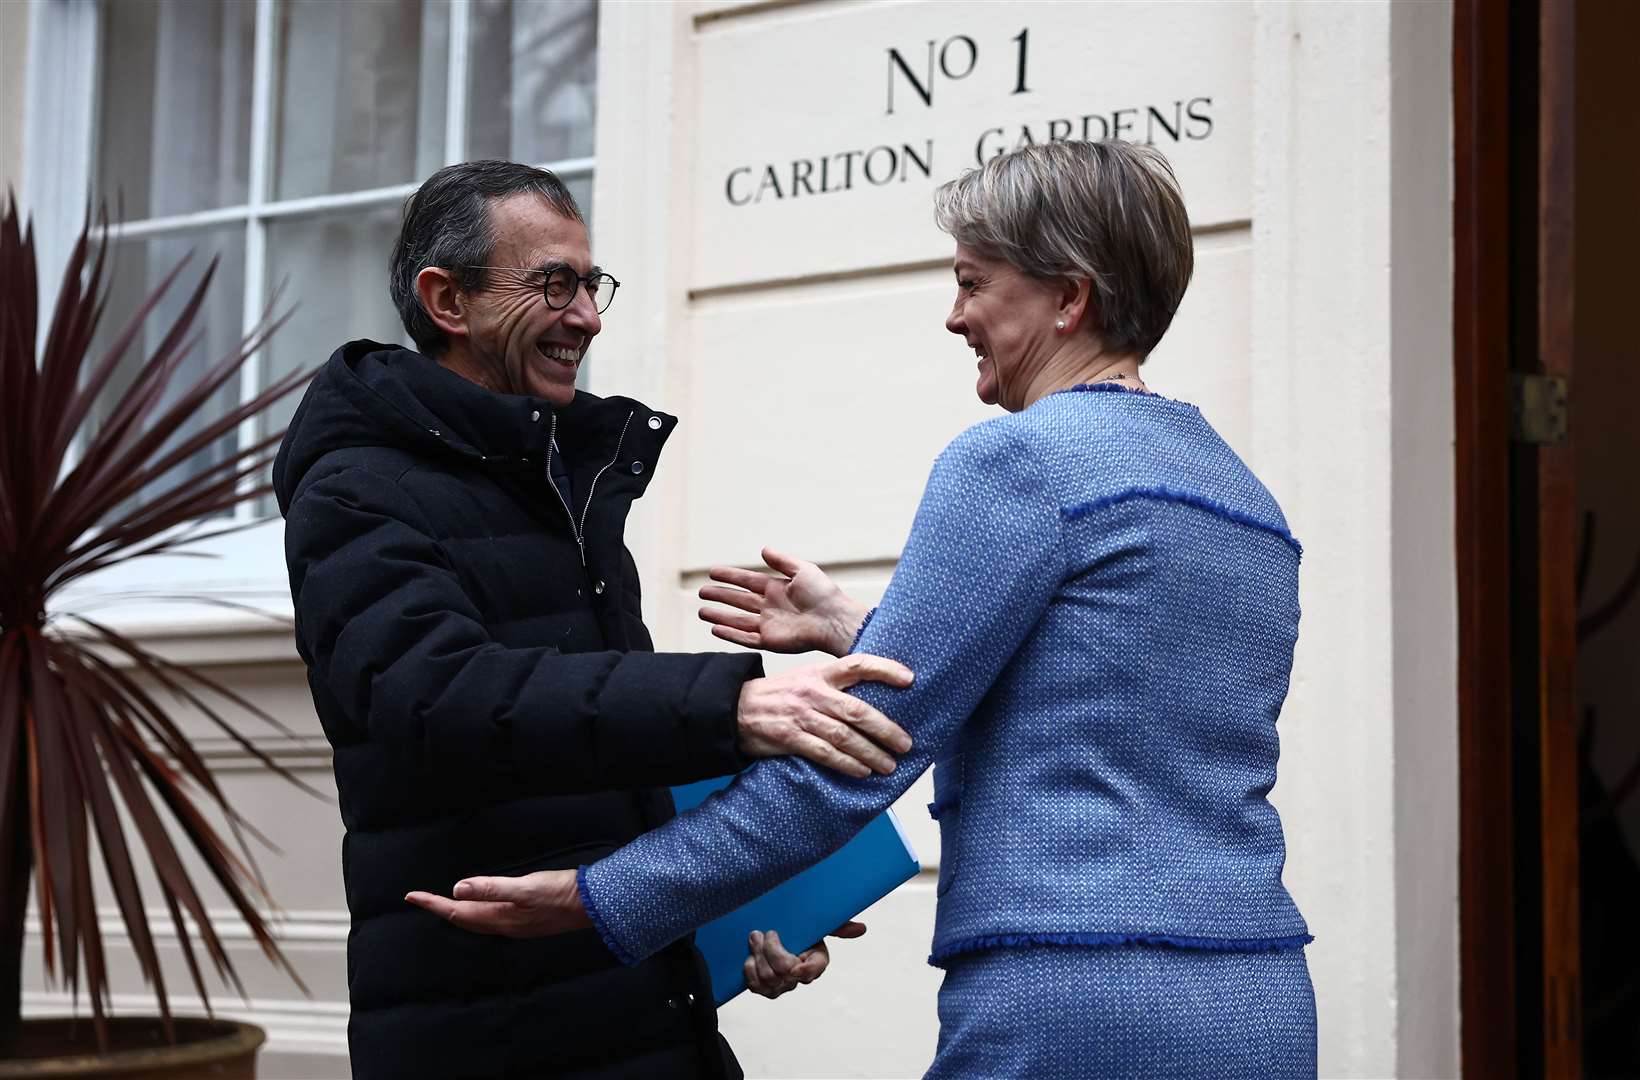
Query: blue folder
805, 908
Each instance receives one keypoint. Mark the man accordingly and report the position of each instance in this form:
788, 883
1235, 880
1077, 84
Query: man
470, 619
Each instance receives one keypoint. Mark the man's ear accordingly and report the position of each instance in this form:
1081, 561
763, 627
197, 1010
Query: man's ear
1077, 304
442, 299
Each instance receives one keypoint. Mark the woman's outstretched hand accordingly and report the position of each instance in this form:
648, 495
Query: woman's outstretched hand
793, 610
535, 905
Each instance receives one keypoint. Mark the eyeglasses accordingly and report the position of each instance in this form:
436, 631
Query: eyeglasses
562, 281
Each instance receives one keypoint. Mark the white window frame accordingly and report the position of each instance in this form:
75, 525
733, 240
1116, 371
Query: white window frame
59, 157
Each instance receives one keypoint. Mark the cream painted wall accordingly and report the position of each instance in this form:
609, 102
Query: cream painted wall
1423, 526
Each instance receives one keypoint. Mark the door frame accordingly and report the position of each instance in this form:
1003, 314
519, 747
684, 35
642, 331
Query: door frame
1481, 235
1552, 471
1514, 69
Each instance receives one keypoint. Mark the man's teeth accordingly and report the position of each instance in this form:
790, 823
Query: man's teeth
563, 356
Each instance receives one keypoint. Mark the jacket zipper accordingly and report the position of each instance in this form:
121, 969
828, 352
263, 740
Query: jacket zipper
594, 486
552, 442
579, 531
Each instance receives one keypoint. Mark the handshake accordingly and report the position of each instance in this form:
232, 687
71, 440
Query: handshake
805, 712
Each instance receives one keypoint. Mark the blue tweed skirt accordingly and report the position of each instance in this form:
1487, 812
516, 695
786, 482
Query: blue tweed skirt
1138, 1011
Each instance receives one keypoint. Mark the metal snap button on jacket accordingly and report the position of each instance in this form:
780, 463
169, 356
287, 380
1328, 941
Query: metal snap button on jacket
637, 467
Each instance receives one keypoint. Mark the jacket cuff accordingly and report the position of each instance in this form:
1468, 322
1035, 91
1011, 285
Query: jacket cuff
597, 918
860, 633
715, 701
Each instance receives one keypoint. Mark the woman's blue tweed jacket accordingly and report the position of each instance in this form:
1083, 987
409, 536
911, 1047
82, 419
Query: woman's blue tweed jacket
1100, 603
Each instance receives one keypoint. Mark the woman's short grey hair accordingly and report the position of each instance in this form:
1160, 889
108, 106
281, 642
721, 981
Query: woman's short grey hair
447, 224
1107, 211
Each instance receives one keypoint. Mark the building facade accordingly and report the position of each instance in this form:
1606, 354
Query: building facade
759, 177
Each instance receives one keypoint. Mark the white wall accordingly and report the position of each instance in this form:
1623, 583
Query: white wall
1352, 320
1423, 531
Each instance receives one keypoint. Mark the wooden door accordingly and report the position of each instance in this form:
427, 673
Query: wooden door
1555, 514
1482, 236
1514, 68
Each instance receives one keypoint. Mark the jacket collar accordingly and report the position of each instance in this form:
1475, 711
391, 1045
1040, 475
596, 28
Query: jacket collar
370, 394
481, 423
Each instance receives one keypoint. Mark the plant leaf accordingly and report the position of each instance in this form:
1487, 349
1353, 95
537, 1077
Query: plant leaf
89, 696
86, 750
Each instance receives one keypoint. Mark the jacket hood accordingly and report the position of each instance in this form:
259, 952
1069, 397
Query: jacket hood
373, 395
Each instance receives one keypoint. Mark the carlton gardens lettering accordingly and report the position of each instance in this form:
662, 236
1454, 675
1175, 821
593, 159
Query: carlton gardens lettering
913, 78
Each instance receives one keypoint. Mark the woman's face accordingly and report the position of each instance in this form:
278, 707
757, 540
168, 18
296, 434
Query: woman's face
1008, 320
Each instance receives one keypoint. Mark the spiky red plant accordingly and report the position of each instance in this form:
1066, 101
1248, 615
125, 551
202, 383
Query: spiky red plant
81, 730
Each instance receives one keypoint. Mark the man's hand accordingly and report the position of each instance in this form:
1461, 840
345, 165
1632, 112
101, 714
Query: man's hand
771, 970
805, 712
535, 905
793, 610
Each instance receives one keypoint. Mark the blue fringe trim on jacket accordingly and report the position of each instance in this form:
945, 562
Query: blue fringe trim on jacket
1115, 388
1188, 498
865, 622
1172, 941
598, 920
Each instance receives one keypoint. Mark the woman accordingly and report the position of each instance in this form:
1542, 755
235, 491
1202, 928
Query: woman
1100, 603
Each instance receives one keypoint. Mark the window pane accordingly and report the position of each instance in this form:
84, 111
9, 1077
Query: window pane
531, 96
580, 189
335, 268
361, 94
175, 106
138, 266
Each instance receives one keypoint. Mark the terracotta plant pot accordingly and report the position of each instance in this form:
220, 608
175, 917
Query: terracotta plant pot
137, 1050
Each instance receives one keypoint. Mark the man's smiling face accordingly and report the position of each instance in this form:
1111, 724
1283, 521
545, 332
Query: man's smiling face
518, 344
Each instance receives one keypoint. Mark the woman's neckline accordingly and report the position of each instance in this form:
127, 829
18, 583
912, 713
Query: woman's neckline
1117, 388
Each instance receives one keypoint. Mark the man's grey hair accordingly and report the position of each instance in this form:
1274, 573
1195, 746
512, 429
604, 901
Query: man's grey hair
1107, 211
447, 224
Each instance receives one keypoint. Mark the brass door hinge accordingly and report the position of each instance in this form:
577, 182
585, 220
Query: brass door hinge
1537, 409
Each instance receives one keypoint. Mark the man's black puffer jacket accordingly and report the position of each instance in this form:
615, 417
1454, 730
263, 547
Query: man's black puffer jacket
479, 664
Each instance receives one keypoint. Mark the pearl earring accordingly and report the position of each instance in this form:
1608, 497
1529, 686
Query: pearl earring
1060, 324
